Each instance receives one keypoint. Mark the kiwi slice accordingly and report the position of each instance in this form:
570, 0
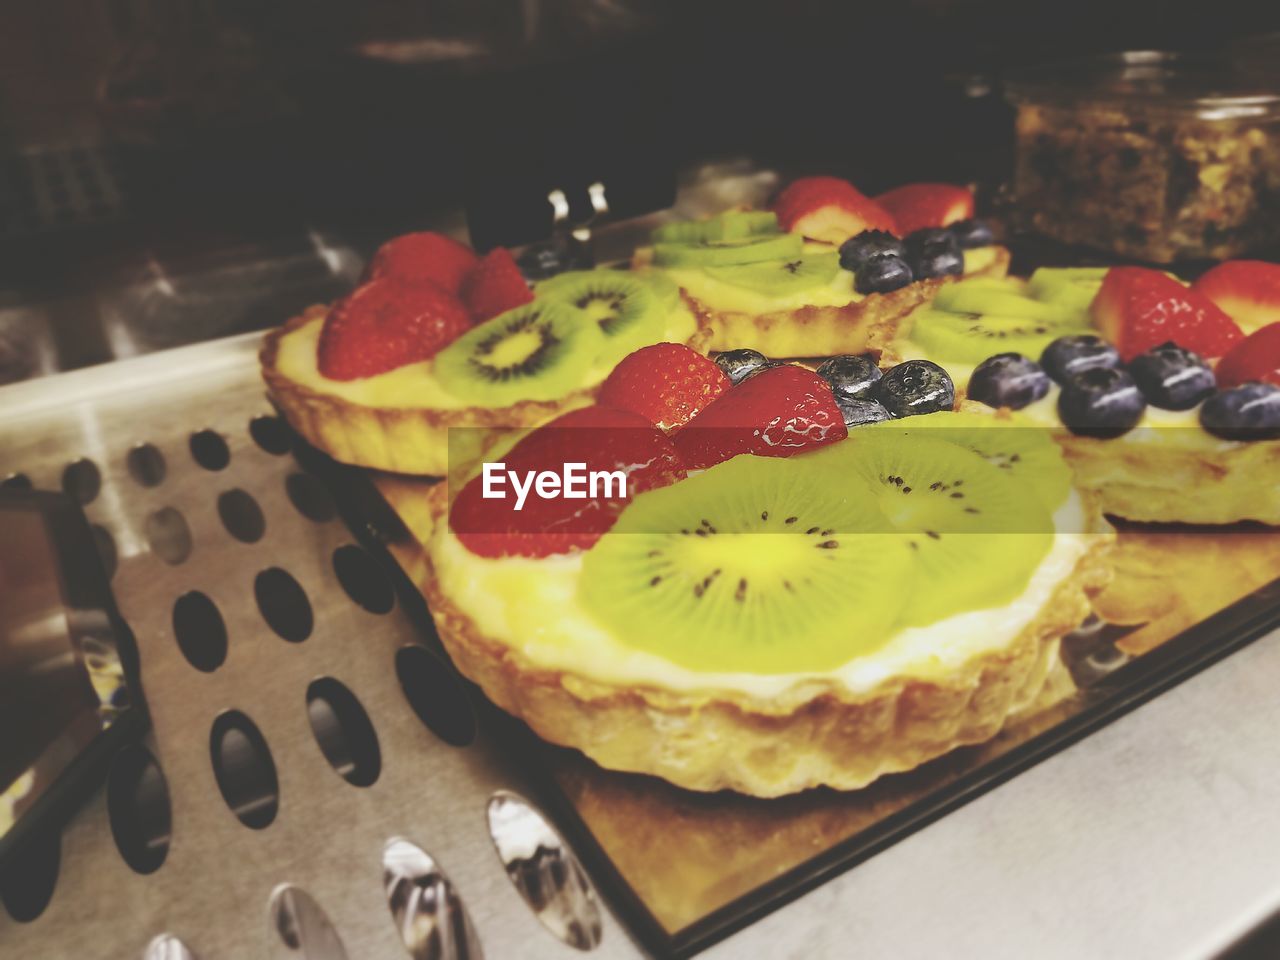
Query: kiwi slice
626, 308
972, 337
711, 253
758, 565
1073, 286
540, 351
781, 277
978, 533
730, 225
1020, 449
987, 298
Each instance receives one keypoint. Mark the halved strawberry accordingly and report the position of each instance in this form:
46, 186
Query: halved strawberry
1256, 357
384, 324
829, 209
494, 285
1248, 291
918, 206
1137, 309
666, 383
421, 257
595, 439
778, 412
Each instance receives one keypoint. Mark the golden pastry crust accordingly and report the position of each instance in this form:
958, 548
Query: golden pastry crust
770, 746
821, 331
410, 440
1139, 478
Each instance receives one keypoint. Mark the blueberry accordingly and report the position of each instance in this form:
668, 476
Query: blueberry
859, 412
1071, 355
934, 252
740, 364
914, 387
972, 233
853, 377
868, 245
1250, 411
1172, 378
1101, 402
546, 258
1008, 380
882, 275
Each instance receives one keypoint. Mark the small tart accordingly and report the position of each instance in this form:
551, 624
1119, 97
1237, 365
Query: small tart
400, 420
514, 627
1167, 469
826, 321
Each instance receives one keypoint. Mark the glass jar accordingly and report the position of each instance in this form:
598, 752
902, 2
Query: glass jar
1150, 155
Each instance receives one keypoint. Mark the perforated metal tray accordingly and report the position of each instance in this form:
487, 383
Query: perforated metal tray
264, 627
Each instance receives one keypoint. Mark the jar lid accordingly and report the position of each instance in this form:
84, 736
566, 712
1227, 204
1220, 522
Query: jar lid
1208, 86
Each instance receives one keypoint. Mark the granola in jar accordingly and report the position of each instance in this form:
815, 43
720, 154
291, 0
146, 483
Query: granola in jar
1149, 155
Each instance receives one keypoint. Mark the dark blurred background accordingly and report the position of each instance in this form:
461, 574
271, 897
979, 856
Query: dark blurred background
140, 137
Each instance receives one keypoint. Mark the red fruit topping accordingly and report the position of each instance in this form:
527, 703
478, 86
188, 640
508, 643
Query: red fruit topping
1256, 357
775, 413
547, 522
431, 257
494, 286
829, 209
667, 383
385, 324
1248, 291
918, 206
1137, 309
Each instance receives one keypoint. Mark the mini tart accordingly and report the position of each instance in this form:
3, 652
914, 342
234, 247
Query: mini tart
826, 321
399, 421
1167, 469
1174, 473
767, 738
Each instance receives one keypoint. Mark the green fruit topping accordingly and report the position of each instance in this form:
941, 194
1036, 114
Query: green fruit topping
540, 351
627, 309
781, 277
1020, 449
709, 253
758, 565
1072, 286
731, 225
763, 565
977, 533
971, 338
972, 296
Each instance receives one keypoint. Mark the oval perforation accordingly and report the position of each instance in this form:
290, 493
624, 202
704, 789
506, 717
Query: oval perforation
244, 769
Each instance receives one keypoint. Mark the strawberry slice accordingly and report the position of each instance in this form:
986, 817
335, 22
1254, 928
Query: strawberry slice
666, 383
426, 256
918, 206
830, 210
1256, 357
1248, 291
494, 285
1137, 309
549, 522
384, 324
778, 412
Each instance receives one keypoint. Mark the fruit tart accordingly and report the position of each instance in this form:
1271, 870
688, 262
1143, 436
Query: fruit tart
1164, 397
437, 338
776, 602
825, 272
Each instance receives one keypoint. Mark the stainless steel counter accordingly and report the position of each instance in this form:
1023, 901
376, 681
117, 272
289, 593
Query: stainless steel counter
1155, 837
